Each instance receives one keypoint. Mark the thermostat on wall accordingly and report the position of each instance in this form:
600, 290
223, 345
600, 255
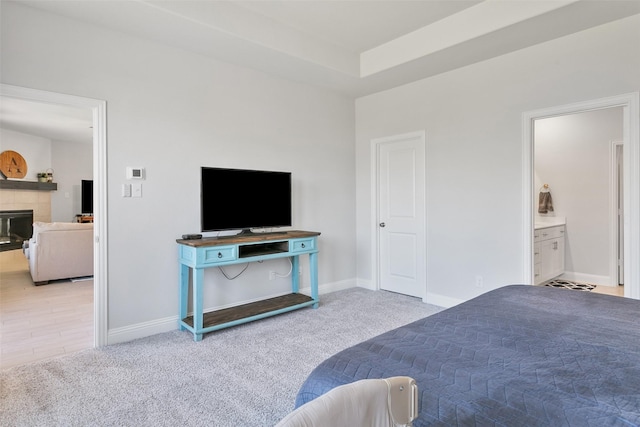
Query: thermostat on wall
135, 173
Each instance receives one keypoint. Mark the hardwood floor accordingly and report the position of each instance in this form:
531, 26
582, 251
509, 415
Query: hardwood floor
41, 322
610, 290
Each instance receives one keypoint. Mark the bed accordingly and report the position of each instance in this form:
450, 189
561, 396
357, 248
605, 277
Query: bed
515, 356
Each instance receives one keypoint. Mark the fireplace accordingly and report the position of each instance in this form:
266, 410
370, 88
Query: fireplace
15, 228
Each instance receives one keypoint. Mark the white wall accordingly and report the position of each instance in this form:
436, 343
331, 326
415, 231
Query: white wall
172, 112
573, 156
72, 162
35, 150
472, 117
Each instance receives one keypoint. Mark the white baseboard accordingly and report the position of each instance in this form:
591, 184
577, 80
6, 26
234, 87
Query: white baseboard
588, 278
141, 330
441, 300
434, 299
167, 324
361, 283
335, 286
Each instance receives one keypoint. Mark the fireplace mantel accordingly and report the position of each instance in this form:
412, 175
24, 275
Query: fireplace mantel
11, 184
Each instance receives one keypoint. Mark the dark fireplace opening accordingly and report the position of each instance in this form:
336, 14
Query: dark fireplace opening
15, 228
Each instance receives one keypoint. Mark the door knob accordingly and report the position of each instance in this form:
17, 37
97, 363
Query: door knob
382, 224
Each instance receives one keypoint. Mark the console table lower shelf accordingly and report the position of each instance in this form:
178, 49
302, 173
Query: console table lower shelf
220, 319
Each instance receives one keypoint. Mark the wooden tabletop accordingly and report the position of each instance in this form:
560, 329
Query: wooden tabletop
245, 238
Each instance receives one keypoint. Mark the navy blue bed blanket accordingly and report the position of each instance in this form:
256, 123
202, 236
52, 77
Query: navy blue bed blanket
515, 356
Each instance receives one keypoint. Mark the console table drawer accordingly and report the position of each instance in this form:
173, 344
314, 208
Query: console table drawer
302, 245
219, 254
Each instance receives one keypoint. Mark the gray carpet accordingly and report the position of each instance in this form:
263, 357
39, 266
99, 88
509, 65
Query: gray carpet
243, 376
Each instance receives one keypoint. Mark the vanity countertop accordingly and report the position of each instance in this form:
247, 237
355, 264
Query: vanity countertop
547, 222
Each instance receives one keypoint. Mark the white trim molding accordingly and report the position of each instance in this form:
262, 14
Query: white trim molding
168, 324
630, 104
614, 192
142, 330
100, 262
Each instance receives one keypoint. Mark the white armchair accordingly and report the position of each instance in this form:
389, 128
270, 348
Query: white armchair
60, 250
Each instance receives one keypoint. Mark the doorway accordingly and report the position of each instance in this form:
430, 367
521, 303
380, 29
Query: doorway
398, 177
573, 158
98, 111
631, 187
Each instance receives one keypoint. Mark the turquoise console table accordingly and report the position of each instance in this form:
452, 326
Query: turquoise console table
227, 250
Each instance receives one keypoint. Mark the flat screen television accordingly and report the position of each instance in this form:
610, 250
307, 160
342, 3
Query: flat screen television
86, 197
243, 199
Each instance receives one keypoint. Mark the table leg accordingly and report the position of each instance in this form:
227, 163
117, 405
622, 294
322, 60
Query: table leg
198, 279
295, 276
313, 268
184, 293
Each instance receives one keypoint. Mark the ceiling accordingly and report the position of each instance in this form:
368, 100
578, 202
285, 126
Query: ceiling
55, 122
354, 47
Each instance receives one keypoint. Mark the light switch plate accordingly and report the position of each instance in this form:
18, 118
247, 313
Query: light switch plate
136, 189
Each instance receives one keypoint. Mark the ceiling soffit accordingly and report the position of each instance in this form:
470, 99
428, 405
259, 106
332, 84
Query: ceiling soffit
313, 41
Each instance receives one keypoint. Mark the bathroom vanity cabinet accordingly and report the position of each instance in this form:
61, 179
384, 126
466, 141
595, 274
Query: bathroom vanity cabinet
548, 250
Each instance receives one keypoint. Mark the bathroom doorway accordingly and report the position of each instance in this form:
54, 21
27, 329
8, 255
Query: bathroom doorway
630, 104
575, 164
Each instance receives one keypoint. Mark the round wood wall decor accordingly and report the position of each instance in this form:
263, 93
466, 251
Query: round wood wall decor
12, 164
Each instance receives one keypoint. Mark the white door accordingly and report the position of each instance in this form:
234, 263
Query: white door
401, 214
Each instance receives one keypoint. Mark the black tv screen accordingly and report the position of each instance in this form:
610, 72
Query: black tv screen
86, 196
242, 199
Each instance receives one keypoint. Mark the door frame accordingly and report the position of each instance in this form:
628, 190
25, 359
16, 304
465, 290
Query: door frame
614, 191
630, 104
375, 230
100, 262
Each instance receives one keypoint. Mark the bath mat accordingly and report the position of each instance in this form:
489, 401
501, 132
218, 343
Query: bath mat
566, 284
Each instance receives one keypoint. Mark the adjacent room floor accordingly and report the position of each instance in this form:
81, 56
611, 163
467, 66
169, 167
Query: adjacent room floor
41, 322
610, 290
